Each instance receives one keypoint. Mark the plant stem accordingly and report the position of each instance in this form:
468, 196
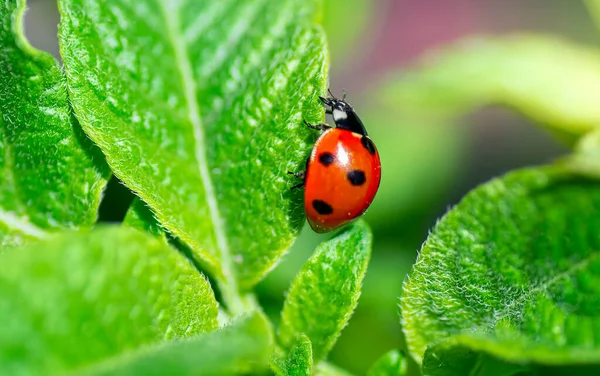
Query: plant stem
236, 303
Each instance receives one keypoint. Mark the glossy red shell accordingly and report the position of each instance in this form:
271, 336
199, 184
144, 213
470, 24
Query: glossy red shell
329, 187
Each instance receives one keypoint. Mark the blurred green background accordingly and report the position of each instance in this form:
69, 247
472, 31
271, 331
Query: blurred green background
428, 164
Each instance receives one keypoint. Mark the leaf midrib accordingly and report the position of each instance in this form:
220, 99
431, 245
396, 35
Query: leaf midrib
16, 223
188, 81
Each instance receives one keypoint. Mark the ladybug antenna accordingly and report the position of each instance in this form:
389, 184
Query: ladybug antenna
344, 95
330, 93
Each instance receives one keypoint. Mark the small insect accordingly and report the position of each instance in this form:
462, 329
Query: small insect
342, 172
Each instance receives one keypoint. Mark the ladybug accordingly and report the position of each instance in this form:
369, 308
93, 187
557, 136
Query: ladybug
342, 172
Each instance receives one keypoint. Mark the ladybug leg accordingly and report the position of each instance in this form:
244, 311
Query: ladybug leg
297, 186
320, 127
298, 175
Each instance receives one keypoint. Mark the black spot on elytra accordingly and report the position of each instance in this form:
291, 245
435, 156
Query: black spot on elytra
368, 144
326, 158
356, 177
322, 207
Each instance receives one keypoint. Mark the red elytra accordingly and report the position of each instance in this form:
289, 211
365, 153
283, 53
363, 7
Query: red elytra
342, 173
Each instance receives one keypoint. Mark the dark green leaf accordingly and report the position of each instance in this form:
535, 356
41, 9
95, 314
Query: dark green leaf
240, 348
452, 359
52, 176
324, 294
80, 299
198, 107
512, 271
390, 364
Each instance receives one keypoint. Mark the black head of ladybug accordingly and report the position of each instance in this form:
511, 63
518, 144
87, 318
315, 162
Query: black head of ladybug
344, 115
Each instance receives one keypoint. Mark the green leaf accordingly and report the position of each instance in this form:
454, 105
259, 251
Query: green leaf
198, 107
242, 347
297, 361
323, 296
511, 271
585, 158
520, 71
139, 216
342, 40
79, 299
41, 144
451, 359
328, 369
390, 364
594, 8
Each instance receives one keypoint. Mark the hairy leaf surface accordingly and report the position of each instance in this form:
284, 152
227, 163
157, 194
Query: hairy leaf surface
52, 176
511, 271
241, 348
323, 296
139, 216
198, 107
79, 299
298, 361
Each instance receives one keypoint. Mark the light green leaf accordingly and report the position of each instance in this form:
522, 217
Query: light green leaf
594, 9
585, 158
80, 299
390, 364
198, 107
512, 271
328, 369
240, 348
323, 296
520, 71
298, 361
451, 358
52, 176
343, 38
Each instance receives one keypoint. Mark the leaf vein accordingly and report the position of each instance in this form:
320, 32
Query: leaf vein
241, 27
205, 20
189, 85
549, 282
24, 226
